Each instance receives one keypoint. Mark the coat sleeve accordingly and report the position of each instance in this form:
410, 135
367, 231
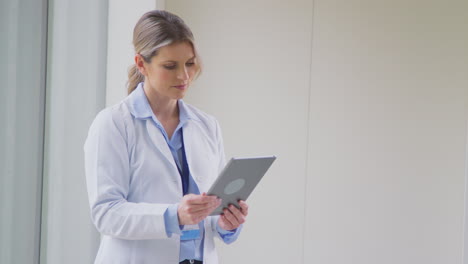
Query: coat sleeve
108, 179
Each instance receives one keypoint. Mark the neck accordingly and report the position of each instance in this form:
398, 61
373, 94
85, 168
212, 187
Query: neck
164, 108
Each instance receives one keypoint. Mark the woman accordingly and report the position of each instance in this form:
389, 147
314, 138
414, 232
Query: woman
151, 158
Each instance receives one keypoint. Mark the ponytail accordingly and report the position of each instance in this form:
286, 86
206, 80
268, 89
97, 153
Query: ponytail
134, 78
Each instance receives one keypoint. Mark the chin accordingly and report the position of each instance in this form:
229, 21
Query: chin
179, 96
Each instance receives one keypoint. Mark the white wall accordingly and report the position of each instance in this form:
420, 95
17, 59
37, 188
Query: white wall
123, 15
389, 98
364, 102
256, 82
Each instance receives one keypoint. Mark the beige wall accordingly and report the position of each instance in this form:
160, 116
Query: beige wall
256, 82
365, 104
388, 128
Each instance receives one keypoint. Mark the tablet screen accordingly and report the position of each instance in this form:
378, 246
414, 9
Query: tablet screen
238, 179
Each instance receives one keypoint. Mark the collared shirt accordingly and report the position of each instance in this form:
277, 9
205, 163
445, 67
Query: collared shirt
189, 249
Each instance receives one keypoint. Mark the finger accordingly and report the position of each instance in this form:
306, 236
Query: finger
200, 199
209, 206
226, 224
231, 218
193, 217
213, 206
205, 194
237, 214
204, 208
244, 207
209, 210
198, 210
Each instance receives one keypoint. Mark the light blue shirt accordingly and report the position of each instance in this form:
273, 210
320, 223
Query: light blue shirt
189, 249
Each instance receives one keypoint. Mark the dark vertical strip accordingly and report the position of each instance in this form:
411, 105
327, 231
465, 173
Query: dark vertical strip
43, 87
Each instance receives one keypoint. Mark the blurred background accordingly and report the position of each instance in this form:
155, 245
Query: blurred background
364, 102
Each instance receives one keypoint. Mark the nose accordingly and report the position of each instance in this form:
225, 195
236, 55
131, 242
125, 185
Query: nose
183, 74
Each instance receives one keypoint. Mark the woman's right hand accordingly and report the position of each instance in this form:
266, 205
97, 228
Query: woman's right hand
194, 208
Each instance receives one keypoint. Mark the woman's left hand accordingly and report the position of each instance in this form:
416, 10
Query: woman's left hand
233, 217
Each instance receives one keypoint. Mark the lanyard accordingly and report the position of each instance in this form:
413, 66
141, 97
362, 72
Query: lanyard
184, 174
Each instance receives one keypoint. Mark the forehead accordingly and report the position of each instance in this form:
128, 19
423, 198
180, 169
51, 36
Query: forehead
181, 51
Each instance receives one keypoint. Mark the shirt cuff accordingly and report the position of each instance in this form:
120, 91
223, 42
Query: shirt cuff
171, 220
225, 232
228, 236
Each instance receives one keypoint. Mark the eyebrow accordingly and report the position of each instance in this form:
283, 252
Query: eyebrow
176, 61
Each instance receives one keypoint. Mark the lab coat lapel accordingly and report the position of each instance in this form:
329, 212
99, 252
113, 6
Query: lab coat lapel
191, 151
160, 143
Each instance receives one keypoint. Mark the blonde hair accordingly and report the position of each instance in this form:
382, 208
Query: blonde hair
156, 29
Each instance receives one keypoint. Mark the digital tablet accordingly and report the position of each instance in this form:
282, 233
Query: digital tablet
238, 179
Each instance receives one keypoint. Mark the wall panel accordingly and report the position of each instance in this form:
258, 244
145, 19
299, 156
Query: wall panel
22, 101
75, 93
388, 129
255, 81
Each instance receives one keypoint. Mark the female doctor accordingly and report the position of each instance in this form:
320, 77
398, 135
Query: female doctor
150, 159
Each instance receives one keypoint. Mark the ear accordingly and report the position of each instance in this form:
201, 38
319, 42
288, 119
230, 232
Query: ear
140, 64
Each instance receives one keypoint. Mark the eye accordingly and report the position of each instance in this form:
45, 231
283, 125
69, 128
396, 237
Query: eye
189, 64
170, 66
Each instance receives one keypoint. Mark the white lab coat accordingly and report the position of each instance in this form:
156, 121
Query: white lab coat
132, 179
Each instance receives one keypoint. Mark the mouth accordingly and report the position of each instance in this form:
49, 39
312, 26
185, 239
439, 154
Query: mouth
181, 87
